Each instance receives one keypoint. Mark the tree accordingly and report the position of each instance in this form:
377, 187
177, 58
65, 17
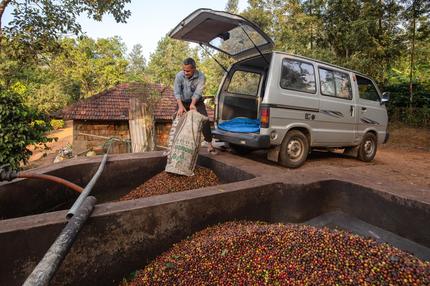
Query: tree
212, 71
260, 12
86, 66
29, 46
38, 24
19, 127
232, 6
167, 60
416, 15
137, 64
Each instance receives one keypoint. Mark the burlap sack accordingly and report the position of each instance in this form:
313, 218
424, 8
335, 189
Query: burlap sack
184, 143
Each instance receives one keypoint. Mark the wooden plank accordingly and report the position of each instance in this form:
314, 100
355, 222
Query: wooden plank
141, 123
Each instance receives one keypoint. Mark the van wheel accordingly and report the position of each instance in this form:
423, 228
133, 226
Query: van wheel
294, 149
240, 150
368, 147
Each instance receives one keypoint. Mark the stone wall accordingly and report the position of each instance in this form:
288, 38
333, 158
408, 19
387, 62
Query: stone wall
100, 132
162, 130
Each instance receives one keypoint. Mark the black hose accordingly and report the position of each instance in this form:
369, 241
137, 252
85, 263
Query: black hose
88, 188
49, 264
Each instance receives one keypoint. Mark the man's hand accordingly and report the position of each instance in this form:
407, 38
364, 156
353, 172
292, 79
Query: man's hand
193, 104
181, 110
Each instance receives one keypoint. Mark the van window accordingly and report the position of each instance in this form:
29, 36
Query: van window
244, 82
367, 89
298, 75
334, 83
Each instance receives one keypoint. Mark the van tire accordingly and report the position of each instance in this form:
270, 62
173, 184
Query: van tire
294, 149
368, 147
240, 150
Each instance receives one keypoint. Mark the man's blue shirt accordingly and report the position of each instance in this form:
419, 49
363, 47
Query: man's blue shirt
185, 89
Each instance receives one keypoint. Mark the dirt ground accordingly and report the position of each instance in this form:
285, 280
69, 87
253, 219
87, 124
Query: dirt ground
404, 159
46, 157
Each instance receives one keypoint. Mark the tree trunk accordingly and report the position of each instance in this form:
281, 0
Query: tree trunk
380, 37
381, 14
312, 30
411, 72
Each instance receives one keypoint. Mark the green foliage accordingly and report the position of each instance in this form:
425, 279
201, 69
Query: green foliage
136, 64
90, 66
82, 68
361, 35
38, 24
49, 71
232, 6
41, 72
19, 127
411, 116
213, 72
388, 40
57, 123
167, 60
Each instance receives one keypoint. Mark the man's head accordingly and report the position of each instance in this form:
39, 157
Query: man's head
189, 67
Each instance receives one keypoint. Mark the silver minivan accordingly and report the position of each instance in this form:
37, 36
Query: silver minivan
299, 103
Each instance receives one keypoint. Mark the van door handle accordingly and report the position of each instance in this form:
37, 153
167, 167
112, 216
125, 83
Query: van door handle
351, 110
364, 108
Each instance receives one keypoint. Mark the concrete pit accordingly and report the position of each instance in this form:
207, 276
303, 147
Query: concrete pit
121, 237
122, 174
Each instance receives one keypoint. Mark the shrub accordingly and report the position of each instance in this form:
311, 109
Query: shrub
57, 123
19, 127
401, 110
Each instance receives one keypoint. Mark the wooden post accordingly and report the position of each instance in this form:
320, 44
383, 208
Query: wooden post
141, 122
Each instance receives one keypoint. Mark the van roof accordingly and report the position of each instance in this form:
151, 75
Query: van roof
321, 62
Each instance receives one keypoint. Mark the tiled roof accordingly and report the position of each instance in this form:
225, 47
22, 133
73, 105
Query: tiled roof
113, 104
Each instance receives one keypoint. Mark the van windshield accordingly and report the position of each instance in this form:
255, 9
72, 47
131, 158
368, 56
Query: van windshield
236, 40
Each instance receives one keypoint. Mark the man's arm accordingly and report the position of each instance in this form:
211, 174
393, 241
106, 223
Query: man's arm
181, 108
177, 91
198, 92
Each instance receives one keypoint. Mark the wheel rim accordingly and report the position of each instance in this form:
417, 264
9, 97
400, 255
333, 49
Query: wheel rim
295, 149
369, 147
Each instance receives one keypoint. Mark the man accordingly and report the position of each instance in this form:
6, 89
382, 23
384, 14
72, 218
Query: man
188, 90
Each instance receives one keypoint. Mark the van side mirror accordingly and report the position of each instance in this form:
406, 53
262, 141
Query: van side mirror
385, 97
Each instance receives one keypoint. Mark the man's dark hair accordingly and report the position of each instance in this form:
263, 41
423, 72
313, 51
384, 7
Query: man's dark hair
190, 61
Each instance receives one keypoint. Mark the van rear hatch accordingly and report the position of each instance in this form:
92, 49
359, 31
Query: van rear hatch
225, 32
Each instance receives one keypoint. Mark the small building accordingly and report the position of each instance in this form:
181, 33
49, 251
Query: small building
106, 115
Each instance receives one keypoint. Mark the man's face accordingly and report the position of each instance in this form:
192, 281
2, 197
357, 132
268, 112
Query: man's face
188, 70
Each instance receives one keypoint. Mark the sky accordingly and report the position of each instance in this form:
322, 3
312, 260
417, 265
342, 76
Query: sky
148, 23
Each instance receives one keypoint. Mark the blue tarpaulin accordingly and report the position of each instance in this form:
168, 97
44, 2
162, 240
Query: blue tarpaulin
241, 125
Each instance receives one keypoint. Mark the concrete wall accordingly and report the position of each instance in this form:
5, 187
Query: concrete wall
124, 236
122, 173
